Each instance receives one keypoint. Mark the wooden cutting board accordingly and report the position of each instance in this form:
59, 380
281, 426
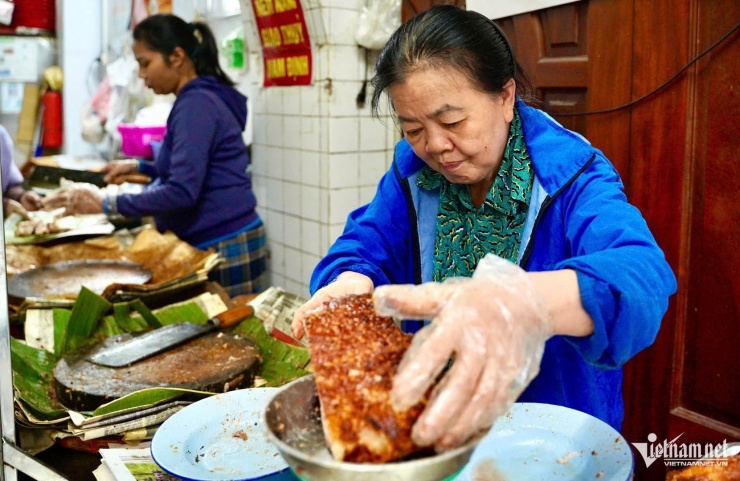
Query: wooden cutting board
216, 362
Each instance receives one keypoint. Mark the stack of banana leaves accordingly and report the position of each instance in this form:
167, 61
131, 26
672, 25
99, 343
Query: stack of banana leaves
52, 333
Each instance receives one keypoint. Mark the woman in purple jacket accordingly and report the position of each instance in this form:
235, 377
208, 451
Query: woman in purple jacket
201, 190
510, 233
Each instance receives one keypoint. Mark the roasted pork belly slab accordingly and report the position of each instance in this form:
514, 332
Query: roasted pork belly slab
355, 354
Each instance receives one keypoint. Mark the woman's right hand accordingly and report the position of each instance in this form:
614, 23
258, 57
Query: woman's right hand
346, 283
119, 168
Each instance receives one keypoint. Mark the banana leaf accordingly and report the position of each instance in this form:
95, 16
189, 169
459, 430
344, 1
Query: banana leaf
190, 312
150, 318
124, 319
61, 321
146, 398
32, 378
107, 327
84, 319
281, 362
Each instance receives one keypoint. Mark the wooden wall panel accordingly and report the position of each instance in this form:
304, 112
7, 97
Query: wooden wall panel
706, 381
576, 68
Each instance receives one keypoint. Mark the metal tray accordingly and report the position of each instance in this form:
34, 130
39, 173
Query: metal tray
66, 278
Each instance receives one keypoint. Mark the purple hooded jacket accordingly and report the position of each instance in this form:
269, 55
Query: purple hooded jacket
202, 190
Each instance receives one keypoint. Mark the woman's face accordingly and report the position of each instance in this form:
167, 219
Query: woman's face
158, 75
455, 128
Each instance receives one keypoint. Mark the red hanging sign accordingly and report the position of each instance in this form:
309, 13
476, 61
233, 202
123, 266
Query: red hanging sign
286, 47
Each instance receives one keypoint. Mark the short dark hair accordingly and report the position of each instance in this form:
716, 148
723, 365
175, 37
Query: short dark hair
446, 35
163, 33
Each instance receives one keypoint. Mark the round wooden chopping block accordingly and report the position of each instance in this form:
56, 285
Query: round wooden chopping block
216, 362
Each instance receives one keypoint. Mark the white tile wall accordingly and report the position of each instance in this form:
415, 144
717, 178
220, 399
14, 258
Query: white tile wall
344, 134
316, 155
344, 170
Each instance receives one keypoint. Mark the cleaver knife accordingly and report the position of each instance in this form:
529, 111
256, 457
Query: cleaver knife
166, 337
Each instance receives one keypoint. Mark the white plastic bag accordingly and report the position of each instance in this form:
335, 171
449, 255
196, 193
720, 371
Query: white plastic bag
377, 23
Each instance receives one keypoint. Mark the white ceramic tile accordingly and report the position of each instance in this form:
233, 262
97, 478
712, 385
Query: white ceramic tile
278, 280
348, 4
372, 167
342, 202
321, 58
344, 170
292, 199
291, 100
372, 134
274, 160
344, 135
277, 261
309, 136
275, 194
310, 100
324, 134
343, 99
292, 231
274, 126
344, 62
335, 230
315, 24
310, 168
260, 128
259, 101
292, 165
394, 135
292, 133
310, 203
325, 203
259, 187
258, 164
343, 26
275, 100
297, 288
309, 264
310, 237
274, 227
366, 194
293, 264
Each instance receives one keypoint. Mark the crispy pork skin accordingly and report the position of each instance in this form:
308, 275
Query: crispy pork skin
355, 354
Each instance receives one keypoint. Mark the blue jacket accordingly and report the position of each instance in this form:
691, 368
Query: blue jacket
578, 218
202, 190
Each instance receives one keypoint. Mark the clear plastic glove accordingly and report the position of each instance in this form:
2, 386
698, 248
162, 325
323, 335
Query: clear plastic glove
119, 168
494, 327
76, 198
346, 283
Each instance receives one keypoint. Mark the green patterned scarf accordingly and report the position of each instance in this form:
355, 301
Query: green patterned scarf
466, 233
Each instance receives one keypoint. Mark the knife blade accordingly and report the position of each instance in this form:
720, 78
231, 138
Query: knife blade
163, 338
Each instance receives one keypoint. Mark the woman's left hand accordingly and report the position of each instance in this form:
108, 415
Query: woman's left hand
30, 200
493, 326
76, 200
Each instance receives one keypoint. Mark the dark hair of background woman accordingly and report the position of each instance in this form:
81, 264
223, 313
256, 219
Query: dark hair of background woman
163, 33
448, 36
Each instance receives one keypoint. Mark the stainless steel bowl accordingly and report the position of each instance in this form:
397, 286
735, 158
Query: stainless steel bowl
293, 420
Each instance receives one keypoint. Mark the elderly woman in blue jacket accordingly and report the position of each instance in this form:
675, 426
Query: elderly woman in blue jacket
510, 233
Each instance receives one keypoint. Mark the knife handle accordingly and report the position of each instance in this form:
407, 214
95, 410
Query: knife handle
233, 316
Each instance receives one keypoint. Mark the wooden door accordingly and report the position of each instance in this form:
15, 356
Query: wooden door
676, 151
409, 8
569, 61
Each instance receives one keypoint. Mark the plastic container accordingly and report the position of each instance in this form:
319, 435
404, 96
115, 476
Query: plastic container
136, 140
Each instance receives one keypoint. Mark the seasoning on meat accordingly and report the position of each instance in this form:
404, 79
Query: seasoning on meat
355, 354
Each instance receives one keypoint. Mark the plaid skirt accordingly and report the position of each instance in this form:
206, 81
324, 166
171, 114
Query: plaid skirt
244, 266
